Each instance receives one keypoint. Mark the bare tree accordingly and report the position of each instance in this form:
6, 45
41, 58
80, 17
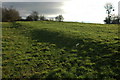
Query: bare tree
109, 8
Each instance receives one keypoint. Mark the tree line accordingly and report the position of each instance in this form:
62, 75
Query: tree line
34, 17
11, 14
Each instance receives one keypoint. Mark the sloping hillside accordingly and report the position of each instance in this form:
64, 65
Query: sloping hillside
45, 49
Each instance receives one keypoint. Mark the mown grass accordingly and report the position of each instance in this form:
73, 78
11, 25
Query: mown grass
45, 49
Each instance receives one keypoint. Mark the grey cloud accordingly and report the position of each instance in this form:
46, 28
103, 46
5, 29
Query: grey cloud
46, 8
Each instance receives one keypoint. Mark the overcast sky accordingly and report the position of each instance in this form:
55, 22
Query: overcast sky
43, 8
73, 10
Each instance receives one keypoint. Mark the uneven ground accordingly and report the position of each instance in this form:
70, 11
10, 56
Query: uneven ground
60, 50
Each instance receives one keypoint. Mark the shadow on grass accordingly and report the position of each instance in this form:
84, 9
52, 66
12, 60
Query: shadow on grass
70, 42
55, 38
99, 53
87, 46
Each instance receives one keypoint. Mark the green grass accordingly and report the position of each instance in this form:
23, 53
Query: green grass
44, 49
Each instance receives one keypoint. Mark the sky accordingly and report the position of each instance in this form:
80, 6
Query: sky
48, 9
91, 11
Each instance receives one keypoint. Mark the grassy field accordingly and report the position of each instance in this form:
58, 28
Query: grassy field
44, 49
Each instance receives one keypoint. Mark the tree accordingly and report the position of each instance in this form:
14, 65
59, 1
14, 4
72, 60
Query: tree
106, 20
109, 8
10, 15
29, 18
35, 16
56, 18
51, 19
42, 18
59, 18
114, 19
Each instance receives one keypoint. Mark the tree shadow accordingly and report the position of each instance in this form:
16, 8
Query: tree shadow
54, 38
99, 53
91, 46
